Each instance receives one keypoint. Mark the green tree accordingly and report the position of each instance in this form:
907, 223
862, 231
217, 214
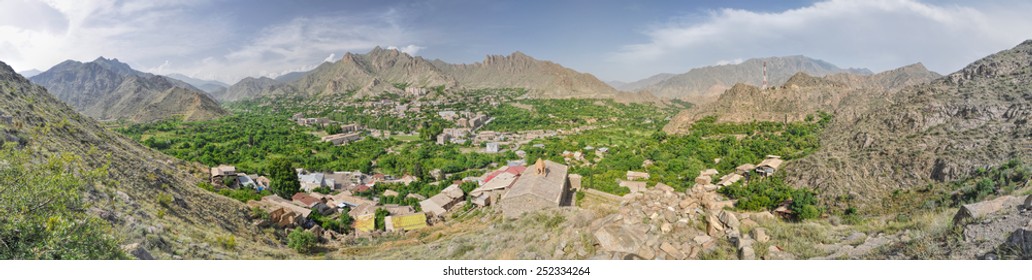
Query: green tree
44, 213
345, 222
284, 182
302, 241
381, 215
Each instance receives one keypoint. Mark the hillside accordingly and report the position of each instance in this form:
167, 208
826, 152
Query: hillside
942, 130
151, 203
246, 88
704, 84
844, 95
108, 89
372, 73
652, 80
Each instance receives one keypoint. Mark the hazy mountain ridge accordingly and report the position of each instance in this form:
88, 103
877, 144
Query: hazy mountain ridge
109, 89
704, 84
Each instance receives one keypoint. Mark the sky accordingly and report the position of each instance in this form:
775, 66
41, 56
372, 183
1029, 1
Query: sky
228, 40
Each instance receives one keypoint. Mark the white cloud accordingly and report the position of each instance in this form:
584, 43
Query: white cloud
331, 58
729, 62
410, 49
879, 34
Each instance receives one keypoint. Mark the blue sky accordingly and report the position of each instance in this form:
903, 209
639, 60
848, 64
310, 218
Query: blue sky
614, 40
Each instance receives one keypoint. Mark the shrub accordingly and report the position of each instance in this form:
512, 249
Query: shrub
228, 241
302, 241
165, 199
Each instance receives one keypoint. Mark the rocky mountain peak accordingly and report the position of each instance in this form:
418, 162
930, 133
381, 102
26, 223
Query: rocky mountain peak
801, 79
1004, 63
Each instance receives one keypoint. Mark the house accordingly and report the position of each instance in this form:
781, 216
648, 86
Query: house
390, 193
343, 200
492, 189
221, 171
492, 147
352, 127
395, 209
768, 166
342, 138
287, 206
443, 139
544, 186
729, 179
634, 176
745, 168
438, 204
311, 181
305, 200
405, 222
416, 196
365, 223
251, 181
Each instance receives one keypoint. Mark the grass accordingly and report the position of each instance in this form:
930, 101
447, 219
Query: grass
406, 138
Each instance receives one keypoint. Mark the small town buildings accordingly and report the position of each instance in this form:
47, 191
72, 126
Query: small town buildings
492, 147
220, 172
729, 179
344, 200
365, 223
545, 185
635, 176
407, 222
415, 196
342, 138
396, 210
305, 200
352, 127
390, 193
745, 168
438, 204
768, 166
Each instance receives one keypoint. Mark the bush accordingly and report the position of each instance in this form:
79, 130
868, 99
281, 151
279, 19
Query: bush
302, 241
165, 199
228, 242
808, 212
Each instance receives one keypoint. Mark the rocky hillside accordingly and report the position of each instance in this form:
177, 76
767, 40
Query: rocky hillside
153, 205
844, 95
108, 89
941, 130
246, 88
384, 70
647, 82
704, 84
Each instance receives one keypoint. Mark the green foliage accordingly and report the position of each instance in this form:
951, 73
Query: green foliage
578, 197
381, 215
44, 215
768, 193
322, 190
344, 221
227, 241
302, 241
1002, 180
283, 179
165, 199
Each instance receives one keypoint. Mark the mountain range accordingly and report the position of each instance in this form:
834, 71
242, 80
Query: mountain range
702, 85
208, 86
107, 89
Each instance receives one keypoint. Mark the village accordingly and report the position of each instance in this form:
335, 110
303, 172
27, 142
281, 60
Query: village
511, 190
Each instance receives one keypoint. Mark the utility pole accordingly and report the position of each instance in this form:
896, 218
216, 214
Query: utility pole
764, 75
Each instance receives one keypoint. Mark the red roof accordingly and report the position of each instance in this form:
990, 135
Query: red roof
362, 188
305, 199
379, 176
515, 170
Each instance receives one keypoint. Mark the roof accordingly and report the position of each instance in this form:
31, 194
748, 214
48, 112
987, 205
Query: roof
278, 201
390, 193
729, 179
771, 162
501, 181
745, 167
453, 191
395, 209
314, 178
351, 200
547, 186
222, 169
305, 199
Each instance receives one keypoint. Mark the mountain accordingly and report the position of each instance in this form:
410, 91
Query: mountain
844, 95
385, 70
29, 73
108, 89
936, 131
292, 76
647, 82
246, 88
208, 86
150, 201
705, 84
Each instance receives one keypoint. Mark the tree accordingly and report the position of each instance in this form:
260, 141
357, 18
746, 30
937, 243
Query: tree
302, 241
345, 222
284, 181
381, 215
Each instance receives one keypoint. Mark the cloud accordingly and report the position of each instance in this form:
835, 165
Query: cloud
729, 62
330, 58
410, 49
878, 34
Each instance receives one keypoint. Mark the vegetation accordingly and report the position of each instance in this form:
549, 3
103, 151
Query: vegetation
45, 216
380, 219
768, 194
302, 241
283, 179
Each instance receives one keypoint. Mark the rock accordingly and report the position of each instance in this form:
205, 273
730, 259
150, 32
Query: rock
760, 235
672, 251
664, 187
710, 188
749, 223
979, 210
1022, 239
617, 239
670, 216
747, 253
647, 253
765, 215
775, 253
1027, 205
713, 226
666, 228
728, 219
745, 243
138, 251
694, 253
702, 239
855, 238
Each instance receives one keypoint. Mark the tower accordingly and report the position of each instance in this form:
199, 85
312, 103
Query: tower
764, 75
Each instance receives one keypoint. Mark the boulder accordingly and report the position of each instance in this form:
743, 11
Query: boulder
664, 187
617, 239
647, 253
672, 251
702, 239
760, 235
747, 253
713, 226
765, 215
1022, 240
749, 223
1027, 205
979, 210
136, 250
666, 227
703, 180
775, 253
728, 219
